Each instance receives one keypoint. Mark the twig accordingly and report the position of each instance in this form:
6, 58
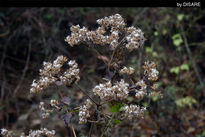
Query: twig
73, 131
191, 58
107, 126
113, 53
24, 70
141, 49
87, 94
138, 16
91, 129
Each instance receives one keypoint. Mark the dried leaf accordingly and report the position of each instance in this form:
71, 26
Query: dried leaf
190, 130
23, 117
67, 118
59, 83
66, 100
109, 75
103, 58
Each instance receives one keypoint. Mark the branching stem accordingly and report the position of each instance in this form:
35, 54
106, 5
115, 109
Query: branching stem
87, 94
107, 126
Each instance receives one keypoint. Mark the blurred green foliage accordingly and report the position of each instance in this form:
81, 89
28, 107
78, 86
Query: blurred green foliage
177, 69
186, 101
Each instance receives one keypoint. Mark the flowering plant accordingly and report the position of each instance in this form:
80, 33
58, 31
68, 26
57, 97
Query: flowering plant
114, 92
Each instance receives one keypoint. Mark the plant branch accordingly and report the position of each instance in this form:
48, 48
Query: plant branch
24, 70
107, 126
73, 131
113, 53
87, 94
190, 57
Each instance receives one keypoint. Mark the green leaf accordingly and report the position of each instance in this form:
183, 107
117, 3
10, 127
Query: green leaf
116, 121
177, 40
75, 110
180, 17
198, 135
48, 16
156, 33
184, 67
145, 104
203, 133
159, 84
148, 50
174, 70
164, 31
154, 54
91, 70
155, 98
186, 101
116, 107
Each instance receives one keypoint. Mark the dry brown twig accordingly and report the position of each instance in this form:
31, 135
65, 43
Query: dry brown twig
194, 65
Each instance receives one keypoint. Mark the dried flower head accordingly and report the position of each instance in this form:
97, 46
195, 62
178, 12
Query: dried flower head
104, 91
154, 86
115, 21
156, 94
55, 104
4, 132
72, 74
121, 90
39, 133
108, 91
150, 71
51, 72
133, 111
134, 37
126, 70
45, 112
84, 112
141, 92
78, 35
32, 133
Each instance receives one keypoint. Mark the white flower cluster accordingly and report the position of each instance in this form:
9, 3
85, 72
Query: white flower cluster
5, 133
107, 91
154, 87
49, 74
135, 37
115, 21
126, 70
34, 133
150, 71
51, 69
39, 133
97, 37
72, 74
78, 35
104, 90
55, 104
84, 112
44, 111
133, 111
140, 93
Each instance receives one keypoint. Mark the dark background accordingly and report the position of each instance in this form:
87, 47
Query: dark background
29, 36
